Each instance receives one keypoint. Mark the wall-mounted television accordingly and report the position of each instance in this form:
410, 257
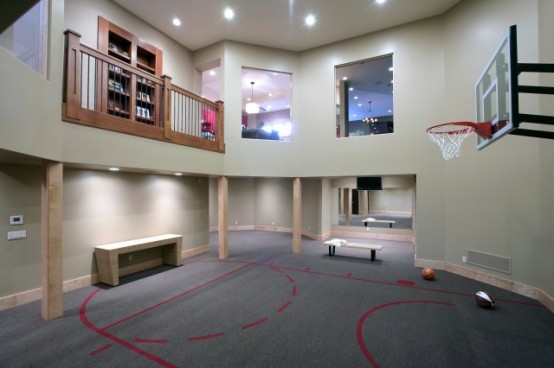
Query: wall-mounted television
369, 183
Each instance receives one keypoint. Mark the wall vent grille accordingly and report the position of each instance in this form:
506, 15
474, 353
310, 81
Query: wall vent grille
490, 261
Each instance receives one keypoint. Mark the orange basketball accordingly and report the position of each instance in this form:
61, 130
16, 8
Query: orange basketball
428, 273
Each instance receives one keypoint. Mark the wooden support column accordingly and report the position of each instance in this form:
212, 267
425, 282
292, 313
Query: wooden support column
222, 206
347, 208
296, 215
363, 208
51, 240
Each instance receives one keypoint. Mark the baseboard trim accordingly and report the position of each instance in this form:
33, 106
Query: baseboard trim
33, 295
510, 285
187, 253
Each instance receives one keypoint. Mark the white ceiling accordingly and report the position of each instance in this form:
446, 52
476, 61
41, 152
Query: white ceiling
279, 23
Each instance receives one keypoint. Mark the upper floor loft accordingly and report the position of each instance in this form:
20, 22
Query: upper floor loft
120, 87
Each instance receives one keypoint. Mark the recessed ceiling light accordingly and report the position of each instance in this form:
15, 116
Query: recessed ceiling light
390, 69
178, 174
344, 78
176, 22
212, 72
114, 168
355, 97
380, 1
228, 13
351, 88
310, 20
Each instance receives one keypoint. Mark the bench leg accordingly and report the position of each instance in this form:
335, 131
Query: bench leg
333, 250
372, 255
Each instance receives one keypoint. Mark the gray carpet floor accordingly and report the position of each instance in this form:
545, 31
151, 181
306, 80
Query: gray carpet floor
268, 307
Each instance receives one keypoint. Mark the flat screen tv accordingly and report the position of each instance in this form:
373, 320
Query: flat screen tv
369, 183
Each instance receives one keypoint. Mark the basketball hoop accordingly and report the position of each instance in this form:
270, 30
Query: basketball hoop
449, 136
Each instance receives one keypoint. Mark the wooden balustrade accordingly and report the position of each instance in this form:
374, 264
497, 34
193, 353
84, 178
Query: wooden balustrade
104, 92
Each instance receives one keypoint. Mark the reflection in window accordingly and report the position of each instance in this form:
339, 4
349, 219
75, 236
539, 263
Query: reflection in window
364, 97
266, 105
26, 39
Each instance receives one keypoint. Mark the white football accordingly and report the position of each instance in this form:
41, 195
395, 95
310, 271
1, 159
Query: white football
483, 299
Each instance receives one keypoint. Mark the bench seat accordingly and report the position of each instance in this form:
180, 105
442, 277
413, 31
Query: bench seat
107, 255
346, 244
366, 221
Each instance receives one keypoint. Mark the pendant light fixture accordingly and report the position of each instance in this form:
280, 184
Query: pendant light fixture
369, 117
252, 107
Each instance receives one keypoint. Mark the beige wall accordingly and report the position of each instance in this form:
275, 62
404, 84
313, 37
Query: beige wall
492, 197
105, 207
99, 207
543, 252
20, 259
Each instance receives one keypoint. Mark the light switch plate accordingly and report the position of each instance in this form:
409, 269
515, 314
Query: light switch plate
14, 235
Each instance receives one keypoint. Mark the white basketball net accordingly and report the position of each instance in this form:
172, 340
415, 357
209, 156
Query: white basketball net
449, 138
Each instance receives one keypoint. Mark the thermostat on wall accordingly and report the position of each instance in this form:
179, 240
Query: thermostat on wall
16, 220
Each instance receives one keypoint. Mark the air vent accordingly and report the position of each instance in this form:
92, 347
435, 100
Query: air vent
490, 261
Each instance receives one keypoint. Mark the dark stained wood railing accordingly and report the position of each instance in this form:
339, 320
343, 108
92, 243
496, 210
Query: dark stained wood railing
103, 92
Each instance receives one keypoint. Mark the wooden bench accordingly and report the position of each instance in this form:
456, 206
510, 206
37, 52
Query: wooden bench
371, 219
107, 255
346, 244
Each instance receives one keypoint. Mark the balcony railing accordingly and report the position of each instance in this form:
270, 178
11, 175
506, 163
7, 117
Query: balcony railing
104, 92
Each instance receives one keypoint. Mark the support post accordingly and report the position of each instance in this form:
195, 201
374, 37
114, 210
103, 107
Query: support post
72, 81
51, 240
219, 127
223, 202
296, 215
346, 205
166, 101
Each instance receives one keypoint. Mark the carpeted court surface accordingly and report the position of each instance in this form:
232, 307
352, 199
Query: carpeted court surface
267, 307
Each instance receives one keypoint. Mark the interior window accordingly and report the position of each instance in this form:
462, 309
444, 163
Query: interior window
266, 105
26, 38
364, 97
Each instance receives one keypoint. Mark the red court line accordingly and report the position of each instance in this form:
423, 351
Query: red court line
405, 282
290, 278
258, 322
284, 306
152, 341
98, 351
360, 325
538, 305
174, 297
349, 274
206, 337
117, 340
410, 286
293, 291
